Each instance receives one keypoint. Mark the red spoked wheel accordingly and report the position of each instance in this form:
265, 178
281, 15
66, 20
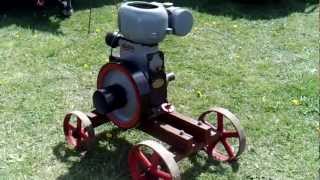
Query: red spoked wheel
228, 140
79, 134
150, 160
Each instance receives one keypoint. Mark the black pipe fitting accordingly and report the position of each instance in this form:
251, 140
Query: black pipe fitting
109, 99
112, 40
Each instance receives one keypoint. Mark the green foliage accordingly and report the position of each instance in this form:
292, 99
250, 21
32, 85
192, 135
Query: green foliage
312, 1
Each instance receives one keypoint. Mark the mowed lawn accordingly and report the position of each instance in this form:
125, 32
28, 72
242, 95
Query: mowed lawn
260, 61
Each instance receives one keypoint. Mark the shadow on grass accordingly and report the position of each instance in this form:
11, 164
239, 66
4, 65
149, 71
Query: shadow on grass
210, 166
24, 14
250, 9
109, 161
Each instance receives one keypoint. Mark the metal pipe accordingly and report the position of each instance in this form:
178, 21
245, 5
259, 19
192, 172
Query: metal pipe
109, 99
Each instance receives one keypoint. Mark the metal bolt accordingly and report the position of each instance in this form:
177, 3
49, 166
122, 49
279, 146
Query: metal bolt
181, 132
199, 123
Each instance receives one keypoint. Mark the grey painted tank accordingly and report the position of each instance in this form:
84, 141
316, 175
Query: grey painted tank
148, 23
180, 20
143, 22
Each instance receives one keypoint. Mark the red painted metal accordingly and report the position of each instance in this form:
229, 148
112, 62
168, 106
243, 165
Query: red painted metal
80, 134
183, 135
223, 136
150, 160
135, 119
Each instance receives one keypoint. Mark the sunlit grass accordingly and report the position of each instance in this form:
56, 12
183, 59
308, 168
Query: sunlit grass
261, 66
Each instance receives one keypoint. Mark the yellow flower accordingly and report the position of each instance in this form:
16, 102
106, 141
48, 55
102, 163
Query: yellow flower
86, 66
98, 30
295, 102
235, 26
199, 94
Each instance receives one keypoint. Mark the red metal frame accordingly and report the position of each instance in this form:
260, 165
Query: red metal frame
184, 135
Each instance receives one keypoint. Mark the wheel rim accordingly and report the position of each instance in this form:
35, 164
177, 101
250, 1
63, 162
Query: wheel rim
129, 115
227, 143
79, 135
150, 160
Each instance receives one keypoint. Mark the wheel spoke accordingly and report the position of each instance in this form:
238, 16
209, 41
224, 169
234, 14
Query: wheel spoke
78, 132
229, 134
145, 161
155, 160
162, 174
228, 148
211, 146
219, 122
71, 127
83, 134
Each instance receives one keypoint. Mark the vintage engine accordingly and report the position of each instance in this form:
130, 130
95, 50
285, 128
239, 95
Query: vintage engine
132, 92
134, 82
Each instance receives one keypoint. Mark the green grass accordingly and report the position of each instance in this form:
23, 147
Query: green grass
254, 60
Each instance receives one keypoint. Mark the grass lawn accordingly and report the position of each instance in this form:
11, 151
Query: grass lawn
259, 61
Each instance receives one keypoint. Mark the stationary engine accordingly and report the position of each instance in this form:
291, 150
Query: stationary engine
132, 92
134, 82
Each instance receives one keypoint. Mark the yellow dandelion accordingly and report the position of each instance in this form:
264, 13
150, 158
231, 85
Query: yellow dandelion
199, 94
295, 102
86, 66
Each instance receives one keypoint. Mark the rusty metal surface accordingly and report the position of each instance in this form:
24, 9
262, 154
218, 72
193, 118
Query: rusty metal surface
222, 135
81, 135
184, 134
199, 130
153, 166
168, 134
